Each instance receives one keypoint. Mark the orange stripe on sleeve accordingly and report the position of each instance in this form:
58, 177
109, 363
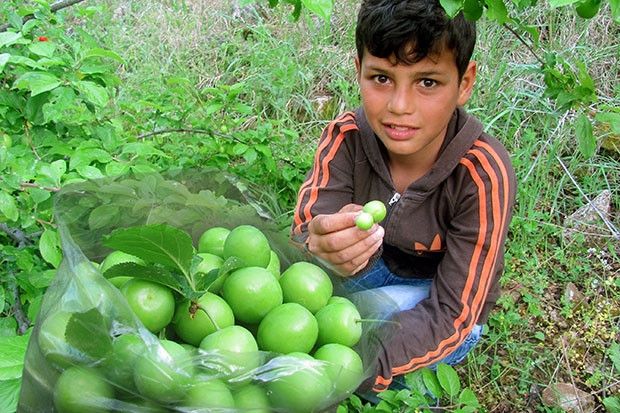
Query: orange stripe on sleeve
500, 211
499, 214
320, 176
310, 183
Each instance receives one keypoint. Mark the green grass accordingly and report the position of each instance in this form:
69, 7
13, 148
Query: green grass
297, 76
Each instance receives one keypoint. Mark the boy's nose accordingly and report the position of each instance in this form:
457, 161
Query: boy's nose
401, 102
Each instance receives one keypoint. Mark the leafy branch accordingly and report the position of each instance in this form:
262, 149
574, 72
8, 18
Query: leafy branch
22, 238
59, 5
23, 322
570, 88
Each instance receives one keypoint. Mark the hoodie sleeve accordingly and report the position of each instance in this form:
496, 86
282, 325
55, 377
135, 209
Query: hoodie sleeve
467, 275
329, 183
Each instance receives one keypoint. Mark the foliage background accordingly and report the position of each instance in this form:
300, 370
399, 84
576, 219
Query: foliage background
107, 87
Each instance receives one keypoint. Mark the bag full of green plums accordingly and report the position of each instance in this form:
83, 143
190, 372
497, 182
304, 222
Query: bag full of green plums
179, 291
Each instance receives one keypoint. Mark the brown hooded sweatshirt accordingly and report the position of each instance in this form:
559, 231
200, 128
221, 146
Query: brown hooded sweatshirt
449, 225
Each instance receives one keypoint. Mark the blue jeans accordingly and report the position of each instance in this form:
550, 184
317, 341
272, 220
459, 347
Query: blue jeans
385, 293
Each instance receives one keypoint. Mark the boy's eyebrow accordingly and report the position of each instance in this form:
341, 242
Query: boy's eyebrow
428, 73
376, 69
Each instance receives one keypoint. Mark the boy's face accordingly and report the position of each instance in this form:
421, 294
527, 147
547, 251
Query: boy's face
409, 106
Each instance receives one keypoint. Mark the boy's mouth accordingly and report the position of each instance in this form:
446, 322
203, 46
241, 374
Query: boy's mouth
396, 127
400, 132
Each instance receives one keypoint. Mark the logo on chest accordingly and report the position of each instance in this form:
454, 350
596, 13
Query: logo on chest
435, 246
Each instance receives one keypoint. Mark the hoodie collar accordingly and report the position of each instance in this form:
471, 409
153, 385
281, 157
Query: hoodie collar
463, 130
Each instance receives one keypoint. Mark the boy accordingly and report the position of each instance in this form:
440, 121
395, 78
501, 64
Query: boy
448, 186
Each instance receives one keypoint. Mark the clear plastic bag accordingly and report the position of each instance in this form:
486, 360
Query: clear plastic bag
89, 346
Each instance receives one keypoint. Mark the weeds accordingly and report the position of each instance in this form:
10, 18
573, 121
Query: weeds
299, 76
244, 89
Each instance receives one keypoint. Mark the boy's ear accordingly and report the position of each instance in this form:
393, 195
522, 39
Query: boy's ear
467, 83
357, 67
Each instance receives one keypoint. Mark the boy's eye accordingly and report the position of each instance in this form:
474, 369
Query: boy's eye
427, 83
381, 79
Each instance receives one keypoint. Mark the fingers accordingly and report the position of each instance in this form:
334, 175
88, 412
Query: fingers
336, 239
351, 208
332, 224
351, 245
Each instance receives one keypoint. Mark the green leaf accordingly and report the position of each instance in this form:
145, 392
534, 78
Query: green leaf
4, 58
45, 49
98, 52
103, 216
468, 398
296, 8
88, 333
473, 9
37, 82
612, 118
206, 280
229, 266
29, 25
16, 21
12, 356
322, 8
416, 382
431, 382
44, 4
612, 404
116, 168
34, 108
9, 394
49, 246
585, 136
24, 61
89, 172
8, 325
40, 280
9, 38
92, 92
614, 355
143, 149
452, 7
614, 5
240, 149
154, 273
8, 208
86, 155
214, 107
496, 10
39, 195
584, 77
60, 100
52, 172
561, 3
449, 379
161, 244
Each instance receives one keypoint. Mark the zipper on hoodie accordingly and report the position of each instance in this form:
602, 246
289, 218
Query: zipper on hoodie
391, 203
394, 199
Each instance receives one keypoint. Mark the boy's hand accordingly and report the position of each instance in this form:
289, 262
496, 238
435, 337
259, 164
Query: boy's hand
336, 239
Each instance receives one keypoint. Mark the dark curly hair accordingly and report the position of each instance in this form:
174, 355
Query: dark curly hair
411, 30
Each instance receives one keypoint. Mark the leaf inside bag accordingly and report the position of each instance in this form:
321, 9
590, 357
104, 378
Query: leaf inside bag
88, 332
161, 244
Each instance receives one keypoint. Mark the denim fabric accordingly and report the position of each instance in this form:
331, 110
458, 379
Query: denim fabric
389, 293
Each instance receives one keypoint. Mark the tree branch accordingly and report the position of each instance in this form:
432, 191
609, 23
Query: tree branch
53, 8
23, 322
160, 132
33, 185
16, 235
524, 43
